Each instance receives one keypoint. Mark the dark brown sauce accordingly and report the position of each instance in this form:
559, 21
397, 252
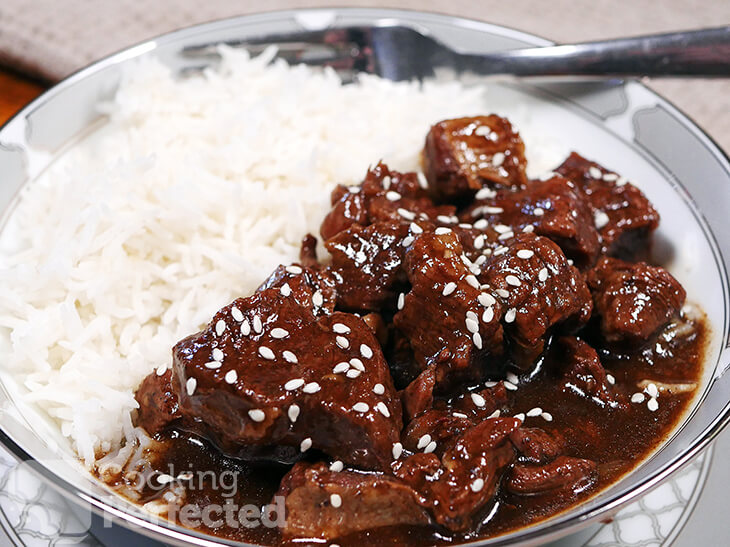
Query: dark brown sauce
616, 441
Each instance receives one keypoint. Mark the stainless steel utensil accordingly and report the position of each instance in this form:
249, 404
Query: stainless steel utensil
402, 53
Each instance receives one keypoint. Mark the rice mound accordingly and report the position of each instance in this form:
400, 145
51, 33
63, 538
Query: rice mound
189, 195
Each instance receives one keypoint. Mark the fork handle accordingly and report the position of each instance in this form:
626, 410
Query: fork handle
704, 53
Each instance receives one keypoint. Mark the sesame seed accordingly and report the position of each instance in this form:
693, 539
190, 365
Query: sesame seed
408, 240
213, 365
547, 416
490, 384
360, 407
488, 315
296, 383
538, 211
236, 314
279, 333
459, 415
477, 485
637, 398
401, 301
495, 414
502, 228
353, 373
486, 300
601, 219
231, 377
293, 413
570, 262
479, 241
525, 254
510, 316
406, 214
294, 269
257, 326
501, 251
449, 288
621, 181
341, 328
416, 229
306, 444
164, 478
595, 172
444, 218
610, 379
190, 385
336, 500
220, 327
422, 180
472, 280
386, 181
341, 367
245, 327
512, 377
342, 342
528, 229
257, 415
504, 293
493, 210
477, 339
289, 357
610, 177
392, 196
498, 159
378, 389
542, 275
472, 325
161, 369
520, 417
423, 441
365, 351
357, 364
652, 405
482, 223
652, 390
311, 387
509, 386
442, 231
397, 450
337, 466
478, 400
318, 299
537, 411
513, 280
506, 235
430, 447
266, 353
380, 407
471, 314
482, 131
285, 289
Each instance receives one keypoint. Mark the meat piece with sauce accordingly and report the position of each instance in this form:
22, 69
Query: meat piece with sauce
567, 474
624, 217
463, 155
633, 301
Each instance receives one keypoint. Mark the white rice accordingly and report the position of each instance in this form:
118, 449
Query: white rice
188, 197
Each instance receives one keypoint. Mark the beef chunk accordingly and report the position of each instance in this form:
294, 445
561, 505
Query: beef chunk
267, 372
308, 252
367, 265
555, 208
449, 323
158, 406
418, 395
633, 301
535, 445
326, 504
465, 154
458, 483
309, 287
439, 426
539, 289
624, 217
481, 404
383, 195
570, 475
582, 372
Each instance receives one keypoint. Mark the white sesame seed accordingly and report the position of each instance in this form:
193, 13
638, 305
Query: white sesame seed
422, 180
341, 328
231, 377
510, 316
318, 299
490, 384
482, 131
652, 390
477, 339
595, 172
401, 301
493, 210
621, 181
289, 357
294, 269
353, 373
488, 314
386, 181
506, 235
482, 223
236, 314
637, 398
498, 159
547, 416
408, 240
570, 262
161, 369
528, 229
245, 327
164, 478
406, 214
336, 500
477, 485
610, 177
279, 333
472, 325
341, 367
495, 414
504, 293
525, 254
472, 315
285, 289
442, 231
513, 280
379, 389
397, 450
293, 413
357, 364
360, 407
652, 405
444, 218
342, 342
296, 383
416, 229
220, 327
423, 441
365, 351
512, 377
486, 300
472, 280
538, 211
213, 365
337, 466
601, 219
509, 386
383, 409
392, 196
430, 447
305, 445
479, 241
533, 412
266, 353
311, 387
257, 415
542, 275
610, 379
502, 228
449, 288
520, 417
478, 400
257, 326
459, 415
500, 251
190, 385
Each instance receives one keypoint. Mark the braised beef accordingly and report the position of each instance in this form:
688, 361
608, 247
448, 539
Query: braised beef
535, 445
565, 473
158, 406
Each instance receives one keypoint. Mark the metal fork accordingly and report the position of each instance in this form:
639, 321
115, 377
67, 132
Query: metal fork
402, 53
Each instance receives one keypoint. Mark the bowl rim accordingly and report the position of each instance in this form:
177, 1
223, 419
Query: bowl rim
551, 528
